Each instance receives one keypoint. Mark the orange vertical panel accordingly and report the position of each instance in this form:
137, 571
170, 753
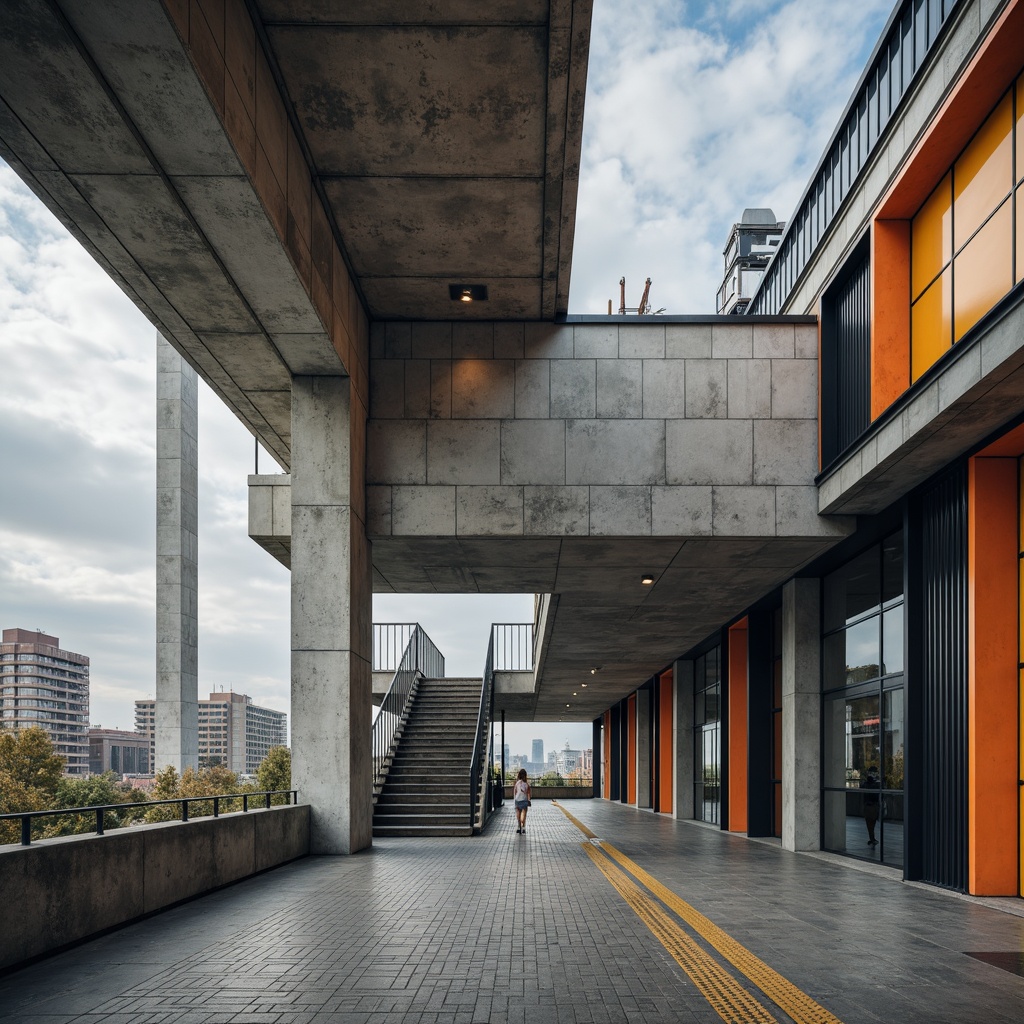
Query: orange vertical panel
737, 726
631, 750
992, 677
606, 775
890, 313
665, 761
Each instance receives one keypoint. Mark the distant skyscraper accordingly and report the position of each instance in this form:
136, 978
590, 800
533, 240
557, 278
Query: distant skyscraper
751, 245
508, 754
42, 685
537, 757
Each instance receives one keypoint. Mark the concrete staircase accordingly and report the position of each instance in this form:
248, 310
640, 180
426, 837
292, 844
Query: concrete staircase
426, 790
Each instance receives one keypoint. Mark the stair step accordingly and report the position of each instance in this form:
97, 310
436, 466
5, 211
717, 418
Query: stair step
422, 831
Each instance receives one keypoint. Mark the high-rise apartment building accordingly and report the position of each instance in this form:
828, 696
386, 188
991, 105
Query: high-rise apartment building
537, 756
233, 731
40, 684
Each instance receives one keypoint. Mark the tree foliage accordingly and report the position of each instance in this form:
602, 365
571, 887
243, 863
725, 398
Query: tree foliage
29, 775
275, 772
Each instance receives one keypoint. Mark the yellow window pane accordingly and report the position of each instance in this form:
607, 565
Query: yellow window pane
984, 174
931, 237
930, 325
983, 272
1020, 233
1020, 128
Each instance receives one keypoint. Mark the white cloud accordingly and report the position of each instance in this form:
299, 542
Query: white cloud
694, 113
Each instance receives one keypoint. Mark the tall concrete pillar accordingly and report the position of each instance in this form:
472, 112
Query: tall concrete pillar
682, 739
177, 561
801, 715
331, 615
643, 748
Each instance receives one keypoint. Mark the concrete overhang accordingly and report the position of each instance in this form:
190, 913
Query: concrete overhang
262, 179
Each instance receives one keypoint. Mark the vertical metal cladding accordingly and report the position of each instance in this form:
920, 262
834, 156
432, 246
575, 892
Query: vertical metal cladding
846, 357
939, 691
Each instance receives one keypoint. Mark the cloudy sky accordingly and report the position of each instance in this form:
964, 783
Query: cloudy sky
694, 111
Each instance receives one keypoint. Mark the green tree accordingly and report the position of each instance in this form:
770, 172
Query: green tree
29, 774
275, 772
93, 791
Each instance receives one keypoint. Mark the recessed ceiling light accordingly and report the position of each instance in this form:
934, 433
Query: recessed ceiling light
646, 580
584, 685
566, 705
467, 292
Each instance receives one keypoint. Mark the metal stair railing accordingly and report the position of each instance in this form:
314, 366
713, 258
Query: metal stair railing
420, 660
510, 648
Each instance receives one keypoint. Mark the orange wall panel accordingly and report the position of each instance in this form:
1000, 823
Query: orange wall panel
631, 750
993, 743
890, 313
737, 727
666, 689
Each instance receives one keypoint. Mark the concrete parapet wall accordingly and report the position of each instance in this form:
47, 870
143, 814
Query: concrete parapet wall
63, 890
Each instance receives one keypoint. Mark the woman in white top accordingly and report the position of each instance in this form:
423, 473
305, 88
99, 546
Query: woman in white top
521, 795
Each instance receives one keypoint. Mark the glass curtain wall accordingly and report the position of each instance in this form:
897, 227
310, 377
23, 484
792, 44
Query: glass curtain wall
707, 736
863, 705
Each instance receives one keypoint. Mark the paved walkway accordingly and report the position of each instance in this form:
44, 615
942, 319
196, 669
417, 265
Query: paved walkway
529, 930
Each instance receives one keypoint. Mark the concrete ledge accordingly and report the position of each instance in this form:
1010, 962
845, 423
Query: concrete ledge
65, 890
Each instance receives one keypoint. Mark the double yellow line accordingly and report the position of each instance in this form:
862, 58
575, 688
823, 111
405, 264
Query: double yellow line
730, 999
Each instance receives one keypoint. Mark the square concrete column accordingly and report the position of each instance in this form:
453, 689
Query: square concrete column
643, 748
801, 715
682, 739
177, 561
331, 615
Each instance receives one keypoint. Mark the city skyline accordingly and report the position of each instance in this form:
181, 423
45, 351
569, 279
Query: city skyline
76, 541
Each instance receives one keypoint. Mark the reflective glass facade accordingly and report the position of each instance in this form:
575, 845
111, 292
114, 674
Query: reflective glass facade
863, 705
707, 736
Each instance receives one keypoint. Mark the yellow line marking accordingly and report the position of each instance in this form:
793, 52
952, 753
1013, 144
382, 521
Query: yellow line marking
730, 1000
800, 1006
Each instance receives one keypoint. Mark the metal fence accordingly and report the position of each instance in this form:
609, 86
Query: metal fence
419, 657
217, 802
511, 647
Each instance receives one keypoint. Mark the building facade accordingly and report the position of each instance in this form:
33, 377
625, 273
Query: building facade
869, 706
233, 731
43, 685
748, 251
120, 751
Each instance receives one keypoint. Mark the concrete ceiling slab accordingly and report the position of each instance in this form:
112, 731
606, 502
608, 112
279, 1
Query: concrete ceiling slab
401, 12
448, 225
508, 298
419, 100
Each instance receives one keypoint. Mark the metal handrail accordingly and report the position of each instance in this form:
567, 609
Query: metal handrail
25, 817
420, 658
513, 646
478, 801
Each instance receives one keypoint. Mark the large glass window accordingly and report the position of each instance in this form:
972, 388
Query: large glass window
707, 737
962, 248
862, 704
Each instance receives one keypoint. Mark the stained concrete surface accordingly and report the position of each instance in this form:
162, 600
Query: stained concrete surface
504, 928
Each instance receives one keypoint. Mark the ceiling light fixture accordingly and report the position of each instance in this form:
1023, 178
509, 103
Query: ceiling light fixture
646, 580
467, 292
584, 685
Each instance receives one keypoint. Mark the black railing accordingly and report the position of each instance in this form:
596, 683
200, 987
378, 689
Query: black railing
479, 795
904, 46
26, 817
420, 658
512, 646
390, 640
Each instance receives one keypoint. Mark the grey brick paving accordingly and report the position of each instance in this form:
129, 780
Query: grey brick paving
525, 930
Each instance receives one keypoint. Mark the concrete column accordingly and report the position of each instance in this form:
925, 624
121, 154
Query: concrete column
643, 748
331, 615
801, 715
177, 561
682, 739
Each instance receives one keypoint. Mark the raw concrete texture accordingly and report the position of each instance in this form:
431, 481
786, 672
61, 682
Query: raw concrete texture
177, 529
76, 886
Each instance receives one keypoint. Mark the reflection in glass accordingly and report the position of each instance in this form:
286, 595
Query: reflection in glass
852, 590
892, 829
863, 657
712, 699
894, 740
892, 641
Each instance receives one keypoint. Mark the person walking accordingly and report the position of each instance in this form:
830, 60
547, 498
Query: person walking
521, 796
